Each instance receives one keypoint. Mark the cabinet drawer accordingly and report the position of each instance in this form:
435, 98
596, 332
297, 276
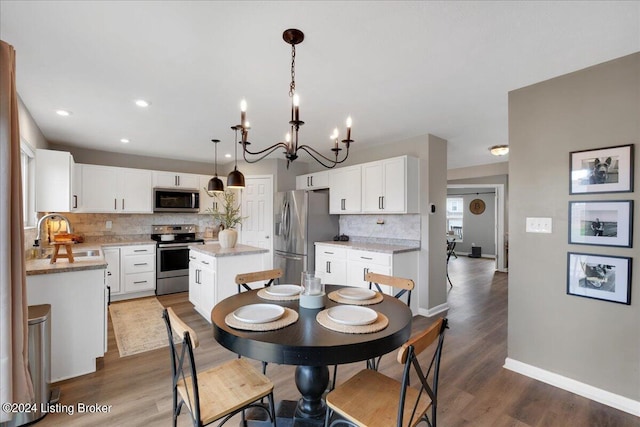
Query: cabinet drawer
138, 250
331, 251
139, 264
139, 282
202, 260
379, 258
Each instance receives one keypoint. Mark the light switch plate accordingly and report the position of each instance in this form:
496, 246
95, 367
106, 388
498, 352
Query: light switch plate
538, 225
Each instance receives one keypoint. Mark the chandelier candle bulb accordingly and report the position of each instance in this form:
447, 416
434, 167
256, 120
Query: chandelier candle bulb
296, 107
243, 111
349, 121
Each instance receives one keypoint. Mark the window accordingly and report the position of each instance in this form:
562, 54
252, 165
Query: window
27, 164
455, 210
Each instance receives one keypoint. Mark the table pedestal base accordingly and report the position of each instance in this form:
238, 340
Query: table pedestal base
310, 410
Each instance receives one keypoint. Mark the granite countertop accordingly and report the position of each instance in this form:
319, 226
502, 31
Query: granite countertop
43, 265
214, 249
372, 247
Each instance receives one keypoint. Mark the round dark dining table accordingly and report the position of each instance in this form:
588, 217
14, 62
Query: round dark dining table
310, 346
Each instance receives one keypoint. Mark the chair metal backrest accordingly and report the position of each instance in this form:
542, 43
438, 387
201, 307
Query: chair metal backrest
405, 285
243, 279
180, 355
408, 356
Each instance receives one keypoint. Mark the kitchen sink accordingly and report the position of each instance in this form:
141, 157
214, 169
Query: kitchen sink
79, 254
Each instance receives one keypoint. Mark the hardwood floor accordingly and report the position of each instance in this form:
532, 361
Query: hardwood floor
474, 388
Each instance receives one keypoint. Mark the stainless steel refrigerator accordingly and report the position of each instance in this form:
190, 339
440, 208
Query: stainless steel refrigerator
301, 219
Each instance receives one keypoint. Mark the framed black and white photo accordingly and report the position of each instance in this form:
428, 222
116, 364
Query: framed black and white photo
599, 276
602, 170
601, 223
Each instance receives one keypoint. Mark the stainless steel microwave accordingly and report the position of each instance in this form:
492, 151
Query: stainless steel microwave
176, 200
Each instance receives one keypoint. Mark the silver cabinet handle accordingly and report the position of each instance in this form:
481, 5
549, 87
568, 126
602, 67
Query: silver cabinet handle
205, 262
140, 281
266, 237
75, 201
122, 204
367, 258
329, 267
139, 250
141, 263
115, 204
364, 273
192, 257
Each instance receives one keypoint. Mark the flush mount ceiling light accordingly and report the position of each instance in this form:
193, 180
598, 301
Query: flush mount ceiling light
499, 150
215, 183
290, 145
63, 113
125, 140
142, 103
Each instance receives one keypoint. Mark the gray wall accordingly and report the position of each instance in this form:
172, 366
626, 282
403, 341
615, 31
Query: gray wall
478, 230
29, 130
592, 341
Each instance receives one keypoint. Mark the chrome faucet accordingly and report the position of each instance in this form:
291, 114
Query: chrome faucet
47, 216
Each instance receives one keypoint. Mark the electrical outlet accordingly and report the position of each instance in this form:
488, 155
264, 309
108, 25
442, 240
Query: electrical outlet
538, 225
108, 225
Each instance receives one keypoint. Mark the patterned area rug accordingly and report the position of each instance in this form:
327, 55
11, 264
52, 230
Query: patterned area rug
138, 325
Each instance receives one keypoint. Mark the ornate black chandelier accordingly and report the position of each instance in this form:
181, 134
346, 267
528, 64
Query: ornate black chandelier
291, 145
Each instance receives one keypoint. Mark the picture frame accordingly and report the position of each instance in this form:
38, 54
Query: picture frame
601, 170
601, 223
602, 277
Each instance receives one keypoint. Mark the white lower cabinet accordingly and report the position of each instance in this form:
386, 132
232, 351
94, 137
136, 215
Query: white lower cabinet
331, 264
212, 278
78, 313
202, 283
363, 262
337, 265
137, 271
112, 256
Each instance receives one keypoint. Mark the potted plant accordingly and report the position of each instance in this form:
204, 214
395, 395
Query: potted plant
227, 214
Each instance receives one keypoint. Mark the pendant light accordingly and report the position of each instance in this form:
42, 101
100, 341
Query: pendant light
215, 183
235, 178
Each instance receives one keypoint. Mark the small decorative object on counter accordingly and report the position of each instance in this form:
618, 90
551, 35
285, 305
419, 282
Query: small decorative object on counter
228, 217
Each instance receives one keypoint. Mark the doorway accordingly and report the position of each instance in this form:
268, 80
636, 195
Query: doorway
499, 222
257, 206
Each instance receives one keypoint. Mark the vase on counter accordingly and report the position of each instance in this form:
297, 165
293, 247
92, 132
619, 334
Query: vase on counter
228, 238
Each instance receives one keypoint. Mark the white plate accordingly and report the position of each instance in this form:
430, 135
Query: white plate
283, 290
352, 315
357, 294
258, 313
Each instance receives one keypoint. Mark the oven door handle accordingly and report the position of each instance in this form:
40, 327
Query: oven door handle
173, 245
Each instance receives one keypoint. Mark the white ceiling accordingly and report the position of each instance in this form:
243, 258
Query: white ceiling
400, 68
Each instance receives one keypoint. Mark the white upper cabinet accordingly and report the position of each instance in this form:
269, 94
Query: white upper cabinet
345, 190
175, 180
313, 181
109, 189
55, 181
391, 186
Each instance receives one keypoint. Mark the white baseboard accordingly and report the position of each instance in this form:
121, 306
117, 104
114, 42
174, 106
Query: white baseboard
430, 312
585, 390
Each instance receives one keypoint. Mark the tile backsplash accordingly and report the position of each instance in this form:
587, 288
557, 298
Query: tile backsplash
396, 229
93, 227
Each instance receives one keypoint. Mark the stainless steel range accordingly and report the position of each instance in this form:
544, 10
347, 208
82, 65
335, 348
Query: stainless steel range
172, 256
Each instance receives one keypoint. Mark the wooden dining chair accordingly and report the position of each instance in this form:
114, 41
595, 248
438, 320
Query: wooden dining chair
268, 277
216, 394
400, 286
403, 287
373, 399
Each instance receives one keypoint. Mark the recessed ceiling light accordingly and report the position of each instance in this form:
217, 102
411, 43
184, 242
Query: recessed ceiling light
124, 140
142, 103
228, 156
63, 113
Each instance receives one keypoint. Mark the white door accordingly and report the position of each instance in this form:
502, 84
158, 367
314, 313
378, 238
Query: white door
257, 206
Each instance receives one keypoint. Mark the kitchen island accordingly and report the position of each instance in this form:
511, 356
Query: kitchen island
212, 272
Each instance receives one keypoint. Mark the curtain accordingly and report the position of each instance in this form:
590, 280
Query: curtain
15, 381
